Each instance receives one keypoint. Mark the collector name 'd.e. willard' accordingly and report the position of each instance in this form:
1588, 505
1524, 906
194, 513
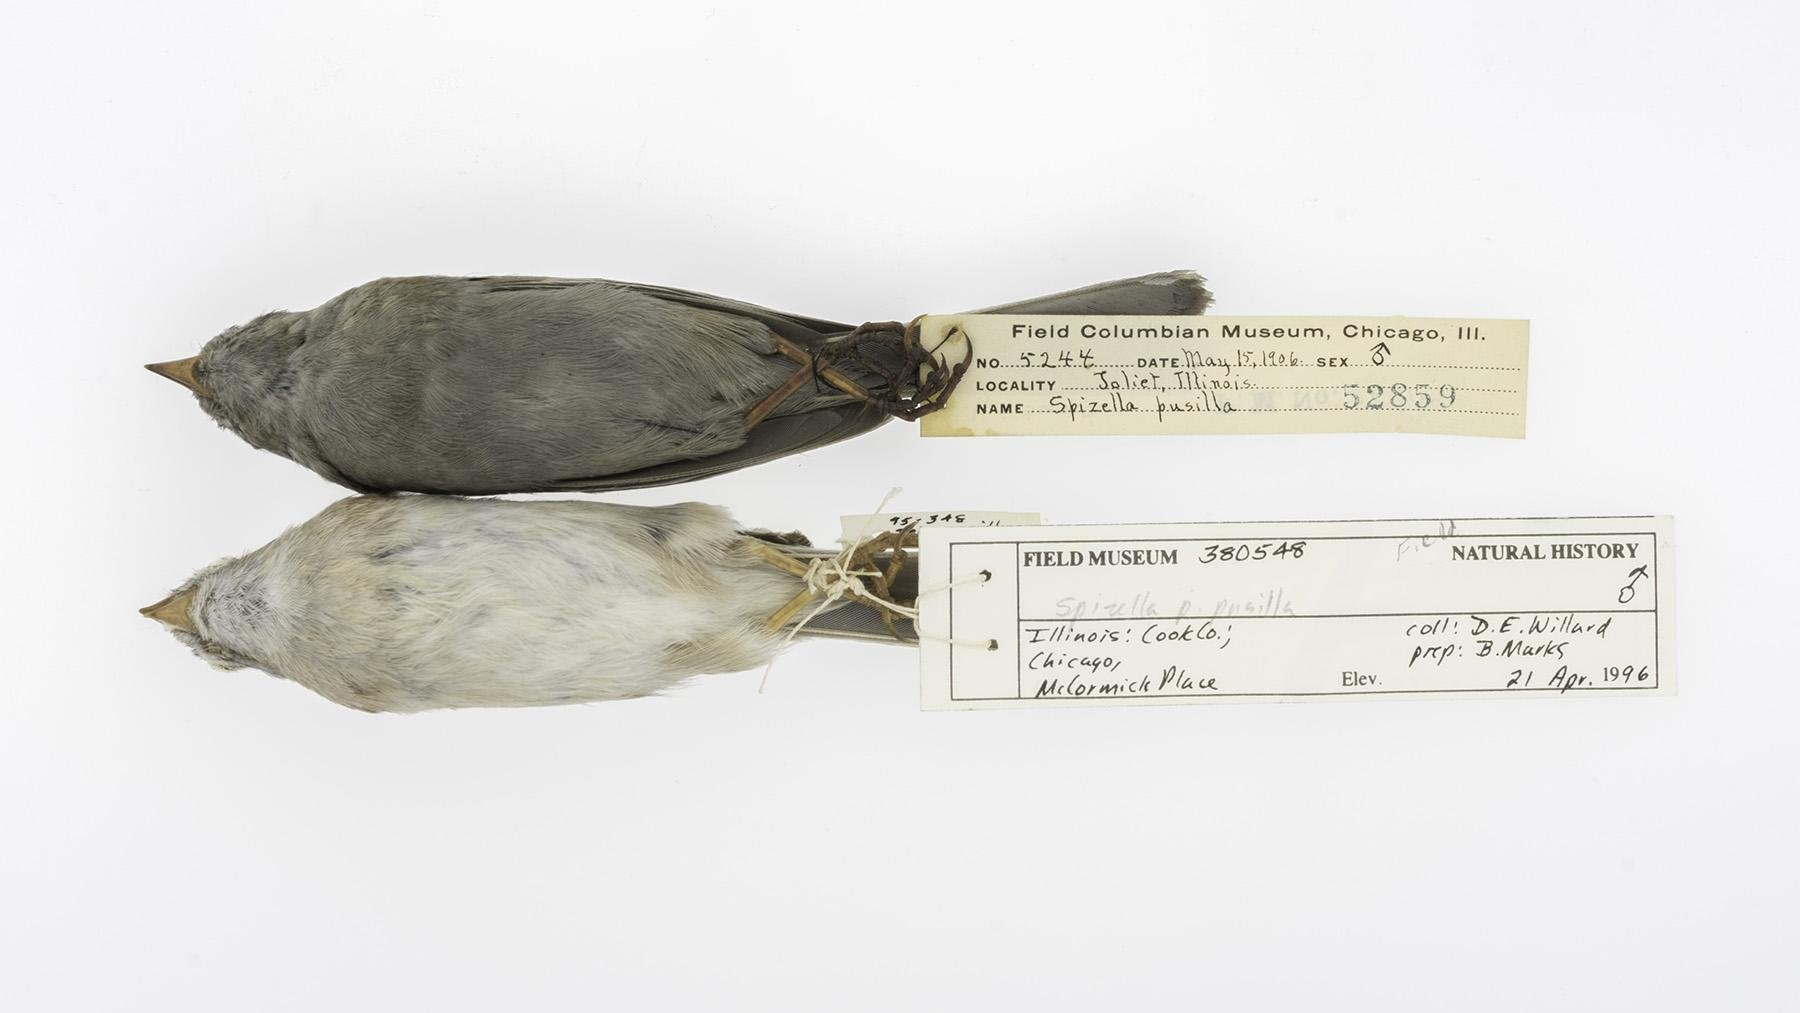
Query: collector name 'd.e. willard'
1190, 613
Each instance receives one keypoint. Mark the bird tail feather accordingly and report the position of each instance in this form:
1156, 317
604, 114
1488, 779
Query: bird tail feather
1165, 293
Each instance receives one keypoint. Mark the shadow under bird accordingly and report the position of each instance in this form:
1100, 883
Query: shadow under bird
513, 384
408, 603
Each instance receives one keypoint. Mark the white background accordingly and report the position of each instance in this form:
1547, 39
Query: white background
172, 837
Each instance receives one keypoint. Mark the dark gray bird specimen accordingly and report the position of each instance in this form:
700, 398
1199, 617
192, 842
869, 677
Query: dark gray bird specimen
514, 384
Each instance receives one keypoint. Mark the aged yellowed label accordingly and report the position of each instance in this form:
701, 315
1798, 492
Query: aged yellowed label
856, 527
1051, 375
1195, 613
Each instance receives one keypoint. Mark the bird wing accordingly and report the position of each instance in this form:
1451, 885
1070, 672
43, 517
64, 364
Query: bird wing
806, 330
774, 438
1166, 293
777, 437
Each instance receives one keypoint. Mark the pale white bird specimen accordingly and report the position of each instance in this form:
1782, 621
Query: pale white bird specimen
406, 603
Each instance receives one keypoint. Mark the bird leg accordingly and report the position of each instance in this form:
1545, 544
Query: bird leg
761, 409
809, 365
888, 350
861, 560
794, 568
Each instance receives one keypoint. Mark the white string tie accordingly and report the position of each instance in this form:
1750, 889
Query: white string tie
830, 579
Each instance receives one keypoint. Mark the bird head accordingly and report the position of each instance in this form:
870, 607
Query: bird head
222, 613
245, 378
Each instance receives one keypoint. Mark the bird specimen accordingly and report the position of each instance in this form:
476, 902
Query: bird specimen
407, 603
516, 384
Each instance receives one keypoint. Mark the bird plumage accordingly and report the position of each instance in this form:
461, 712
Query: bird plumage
407, 603
517, 384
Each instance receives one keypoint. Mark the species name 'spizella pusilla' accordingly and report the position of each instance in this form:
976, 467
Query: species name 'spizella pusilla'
516, 384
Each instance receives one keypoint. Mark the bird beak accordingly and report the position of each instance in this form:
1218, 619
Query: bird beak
176, 610
182, 372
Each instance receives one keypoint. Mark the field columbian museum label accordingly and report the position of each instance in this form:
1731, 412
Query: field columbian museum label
1051, 375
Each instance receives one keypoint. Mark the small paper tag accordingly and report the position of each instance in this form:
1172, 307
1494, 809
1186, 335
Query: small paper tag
1073, 375
857, 527
1192, 613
